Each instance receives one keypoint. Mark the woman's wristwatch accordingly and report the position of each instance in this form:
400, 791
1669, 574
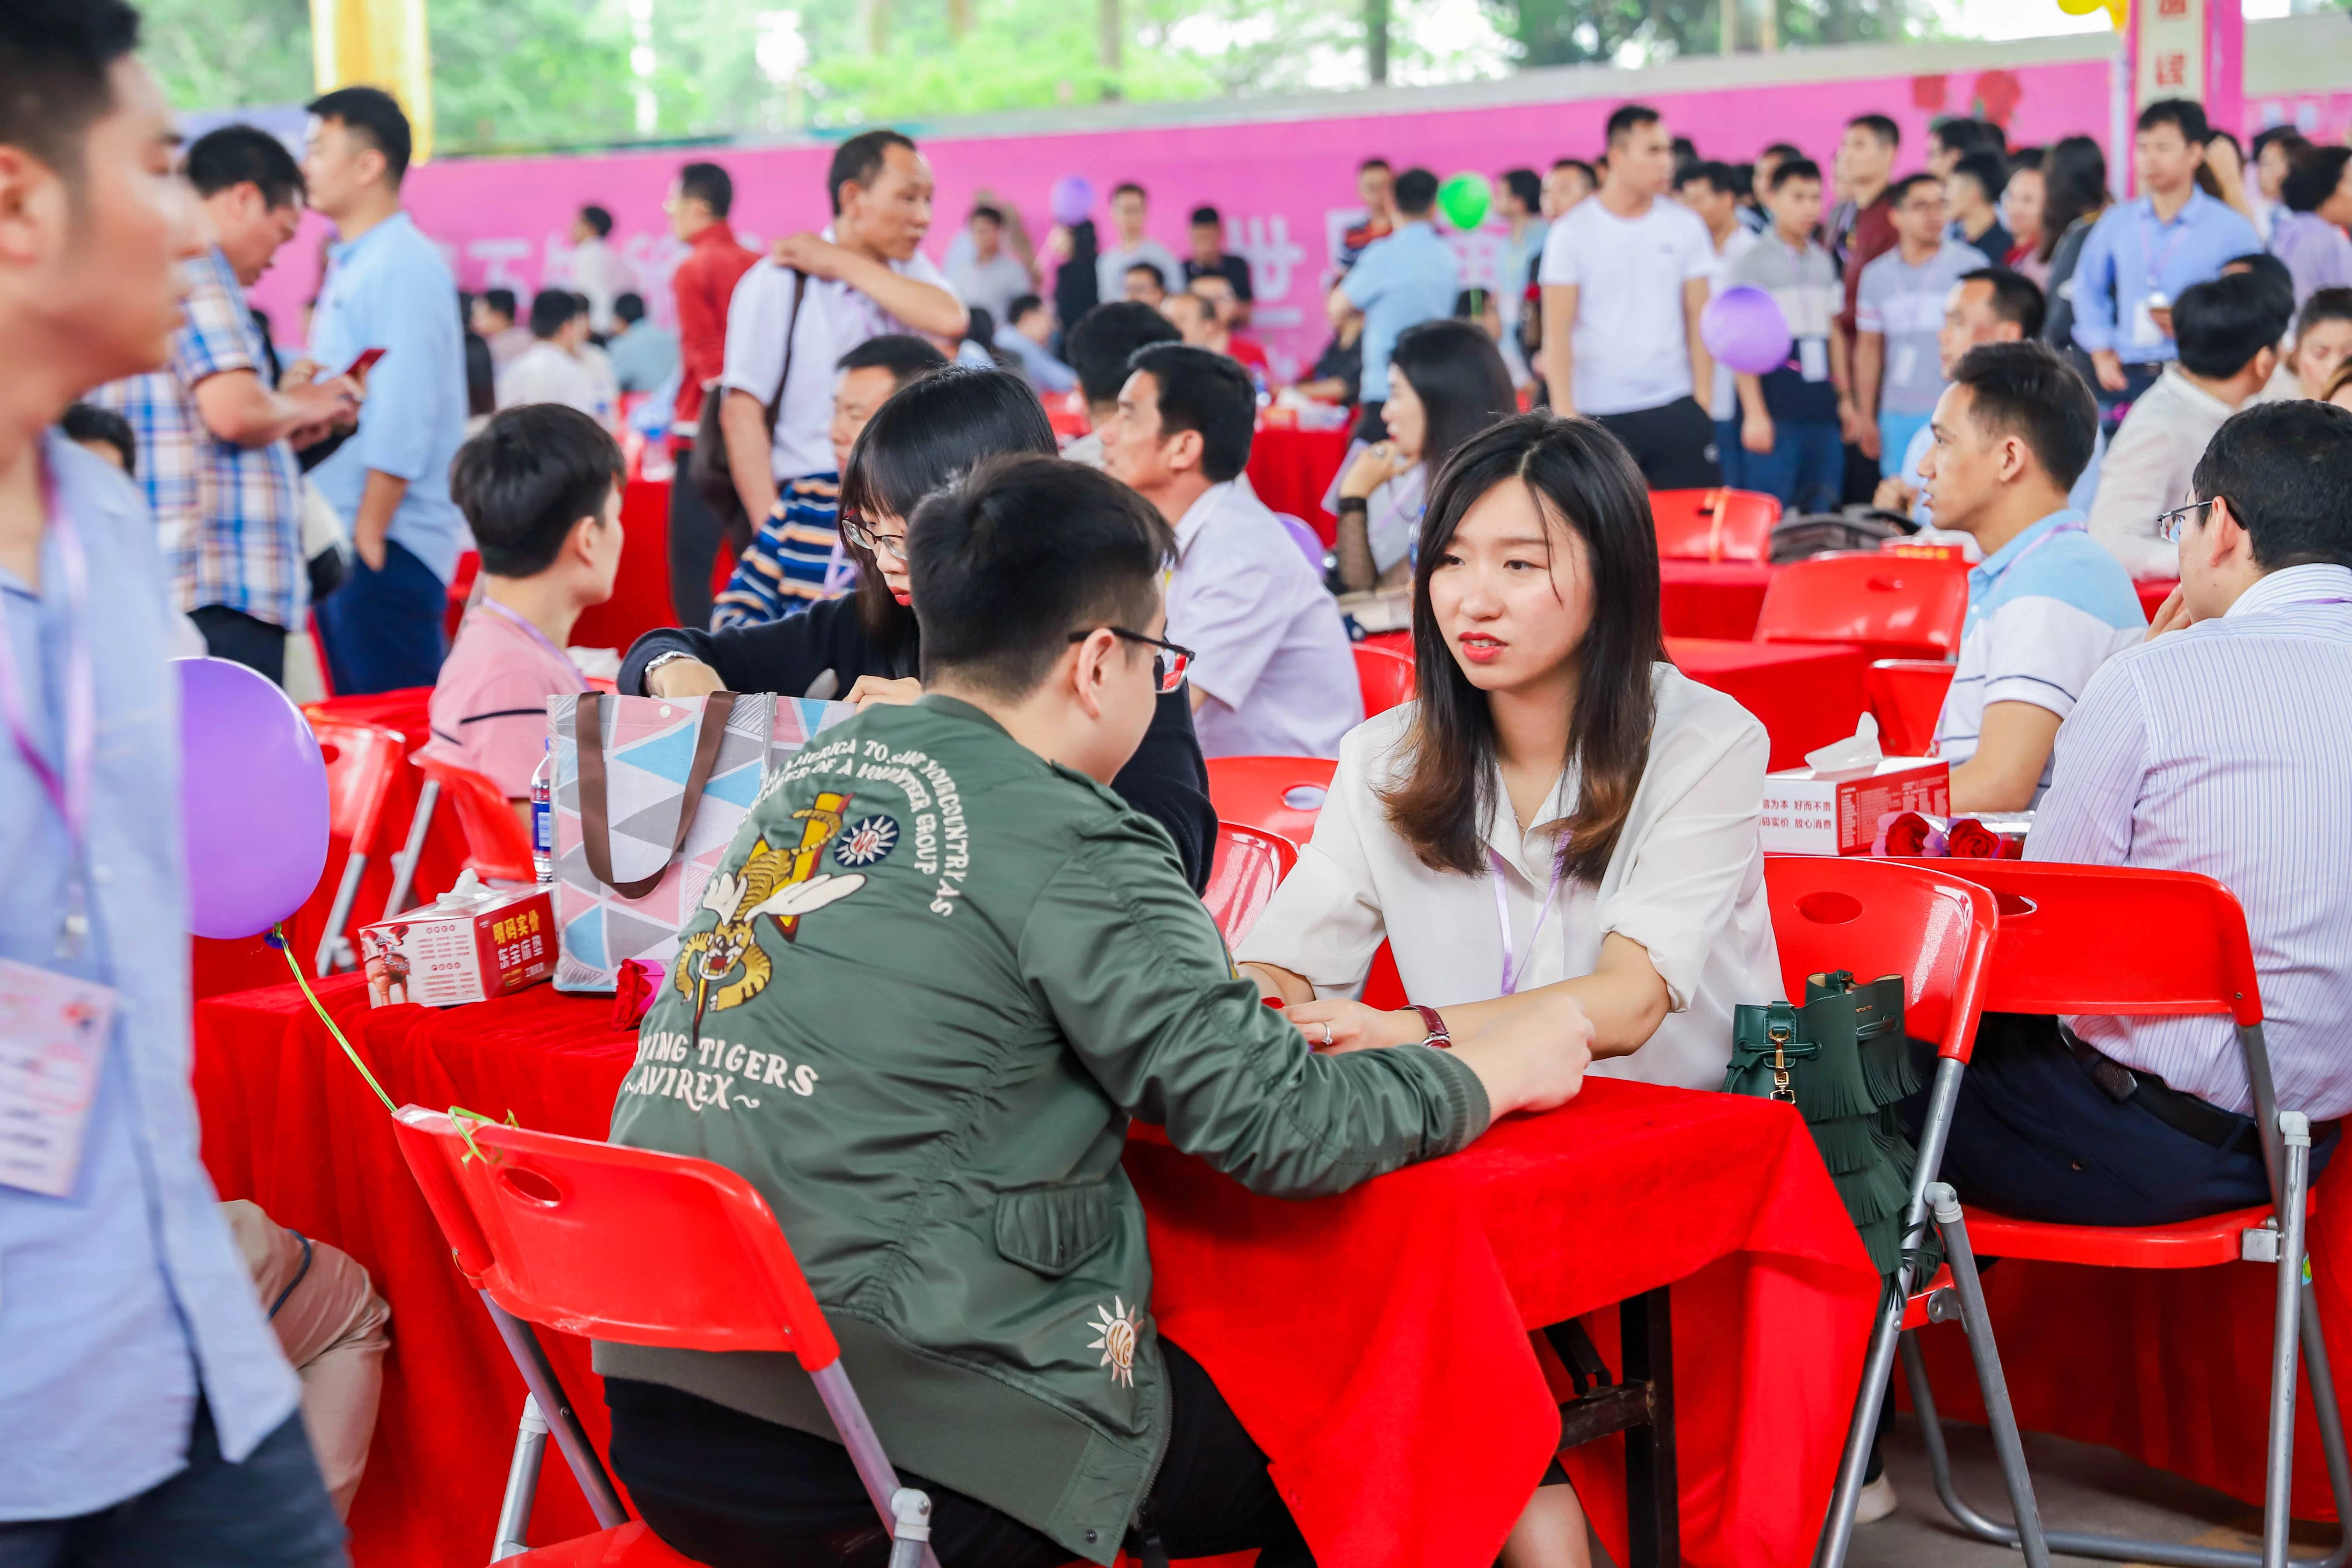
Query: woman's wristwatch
646, 675
1437, 1036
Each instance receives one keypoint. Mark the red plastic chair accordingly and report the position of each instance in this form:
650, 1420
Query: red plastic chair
363, 768
1279, 794
1714, 525
1906, 697
637, 1246
2077, 940
1386, 677
1894, 608
1248, 865
497, 847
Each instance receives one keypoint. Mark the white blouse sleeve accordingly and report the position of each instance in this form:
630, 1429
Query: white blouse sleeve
1323, 923
1694, 847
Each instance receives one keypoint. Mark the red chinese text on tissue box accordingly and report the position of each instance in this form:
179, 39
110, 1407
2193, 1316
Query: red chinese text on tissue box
447, 953
1808, 816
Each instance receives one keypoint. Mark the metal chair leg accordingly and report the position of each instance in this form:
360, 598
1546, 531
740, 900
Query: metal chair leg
2278, 1489
522, 1484
404, 864
1981, 1349
910, 1527
331, 945
874, 1466
555, 1408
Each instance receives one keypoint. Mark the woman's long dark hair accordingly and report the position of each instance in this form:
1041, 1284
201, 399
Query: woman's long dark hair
930, 432
2074, 184
1459, 375
1583, 480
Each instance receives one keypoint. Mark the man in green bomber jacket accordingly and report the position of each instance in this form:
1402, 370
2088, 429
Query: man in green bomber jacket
940, 968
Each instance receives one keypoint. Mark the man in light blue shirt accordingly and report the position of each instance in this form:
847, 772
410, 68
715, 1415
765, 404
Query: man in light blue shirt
1030, 323
387, 288
146, 1413
1401, 281
2143, 254
643, 354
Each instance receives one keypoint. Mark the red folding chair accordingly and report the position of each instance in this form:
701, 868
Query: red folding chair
2076, 940
1874, 918
1248, 865
1714, 524
1906, 697
1893, 607
497, 847
363, 765
1386, 677
641, 1248
1279, 794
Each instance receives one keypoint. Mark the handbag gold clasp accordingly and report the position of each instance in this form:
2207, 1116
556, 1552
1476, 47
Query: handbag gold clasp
1778, 1034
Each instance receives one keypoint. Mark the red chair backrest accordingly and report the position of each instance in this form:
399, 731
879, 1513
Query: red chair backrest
1906, 697
496, 848
640, 599
407, 710
1279, 794
1714, 525
1893, 607
2116, 939
1249, 864
1884, 917
363, 767
620, 1244
1386, 677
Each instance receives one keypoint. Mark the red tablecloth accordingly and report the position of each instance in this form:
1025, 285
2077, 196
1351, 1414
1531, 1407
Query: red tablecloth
2153, 592
1291, 469
1373, 1342
1807, 694
1712, 598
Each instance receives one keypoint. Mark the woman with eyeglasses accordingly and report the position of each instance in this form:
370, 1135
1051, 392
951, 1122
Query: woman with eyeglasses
866, 647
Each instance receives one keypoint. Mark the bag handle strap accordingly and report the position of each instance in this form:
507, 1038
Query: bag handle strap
595, 823
775, 408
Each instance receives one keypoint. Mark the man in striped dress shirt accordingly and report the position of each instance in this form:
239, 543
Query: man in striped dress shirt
2220, 745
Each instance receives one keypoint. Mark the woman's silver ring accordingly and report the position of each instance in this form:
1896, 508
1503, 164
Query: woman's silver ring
1326, 1033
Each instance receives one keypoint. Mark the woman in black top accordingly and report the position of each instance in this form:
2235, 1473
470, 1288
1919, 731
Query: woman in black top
865, 648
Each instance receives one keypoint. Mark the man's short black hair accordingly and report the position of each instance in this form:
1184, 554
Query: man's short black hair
89, 421
2312, 175
1124, 186
1710, 171
1416, 193
1205, 392
1879, 125
597, 218
526, 478
2025, 390
1526, 185
2285, 467
552, 309
860, 159
1158, 277
709, 185
1628, 117
903, 355
1106, 337
243, 155
502, 300
1781, 149
1961, 134
629, 306
1797, 168
992, 214
1374, 163
2015, 297
377, 116
2325, 305
1020, 305
2223, 322
1208, 217
1592, 175
54, 59
2263, 138
1900, 191
2185, 114
1987, 170
1008, 562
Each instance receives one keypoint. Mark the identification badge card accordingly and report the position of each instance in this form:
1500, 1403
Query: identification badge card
53, 1033
1904, 360
1813, 358
2144, 327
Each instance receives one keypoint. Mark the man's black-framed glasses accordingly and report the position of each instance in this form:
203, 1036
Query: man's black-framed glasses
860, 533
2172, 525
1168, 665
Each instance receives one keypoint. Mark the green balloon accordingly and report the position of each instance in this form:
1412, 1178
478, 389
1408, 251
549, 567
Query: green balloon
1464, 199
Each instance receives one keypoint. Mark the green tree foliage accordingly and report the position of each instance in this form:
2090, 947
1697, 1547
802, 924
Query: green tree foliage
1576, 32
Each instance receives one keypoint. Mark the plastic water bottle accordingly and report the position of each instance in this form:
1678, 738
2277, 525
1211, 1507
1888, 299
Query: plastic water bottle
542, 815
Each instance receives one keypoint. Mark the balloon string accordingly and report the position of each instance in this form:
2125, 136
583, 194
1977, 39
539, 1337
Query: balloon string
277, 940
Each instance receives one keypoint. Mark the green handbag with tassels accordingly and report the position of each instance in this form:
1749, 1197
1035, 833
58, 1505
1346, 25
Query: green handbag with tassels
1843, 1061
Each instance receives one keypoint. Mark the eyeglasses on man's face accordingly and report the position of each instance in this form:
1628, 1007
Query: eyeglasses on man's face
860, 533
1168, 665
2172, 525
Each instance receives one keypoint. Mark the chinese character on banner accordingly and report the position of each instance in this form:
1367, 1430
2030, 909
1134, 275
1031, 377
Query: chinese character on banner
2172, 10
2172, 68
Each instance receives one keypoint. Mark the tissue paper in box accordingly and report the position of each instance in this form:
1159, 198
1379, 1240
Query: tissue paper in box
1806, 815
476, 943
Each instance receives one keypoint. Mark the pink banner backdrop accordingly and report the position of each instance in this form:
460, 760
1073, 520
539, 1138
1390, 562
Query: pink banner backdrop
1286, 188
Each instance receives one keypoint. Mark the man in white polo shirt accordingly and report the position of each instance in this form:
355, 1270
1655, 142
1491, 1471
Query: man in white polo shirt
865, 277
1624, 279
1272, 673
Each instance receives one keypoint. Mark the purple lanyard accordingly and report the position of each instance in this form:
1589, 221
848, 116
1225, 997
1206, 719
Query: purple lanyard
69, 792
541, 637
2147, 232
1503, 919
2062, 528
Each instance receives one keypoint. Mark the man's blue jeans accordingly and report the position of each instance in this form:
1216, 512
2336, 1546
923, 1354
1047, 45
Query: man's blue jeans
1805, 468
382, 629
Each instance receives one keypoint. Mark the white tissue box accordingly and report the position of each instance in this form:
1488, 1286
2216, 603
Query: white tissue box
1805, 815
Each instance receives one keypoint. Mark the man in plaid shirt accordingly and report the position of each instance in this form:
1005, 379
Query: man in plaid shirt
217, 433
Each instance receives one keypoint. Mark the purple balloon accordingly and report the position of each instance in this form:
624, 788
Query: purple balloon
1743, 327
1073, 199
253, 800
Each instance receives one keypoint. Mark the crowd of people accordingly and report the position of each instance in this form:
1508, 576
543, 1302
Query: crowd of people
1558, 841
